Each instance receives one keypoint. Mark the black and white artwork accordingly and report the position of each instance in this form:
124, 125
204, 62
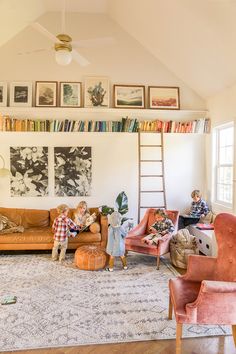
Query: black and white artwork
21, 94
29, 171
73, 171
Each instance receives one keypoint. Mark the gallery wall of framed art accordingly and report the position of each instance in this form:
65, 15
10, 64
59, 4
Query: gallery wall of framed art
94, 92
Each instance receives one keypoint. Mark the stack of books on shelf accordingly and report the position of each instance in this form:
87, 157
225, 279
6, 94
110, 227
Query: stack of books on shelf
126, 124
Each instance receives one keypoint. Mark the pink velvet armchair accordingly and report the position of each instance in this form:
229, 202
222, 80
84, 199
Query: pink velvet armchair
133, 239
206, 294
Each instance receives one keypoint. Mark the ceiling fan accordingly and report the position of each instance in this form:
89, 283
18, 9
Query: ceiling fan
64, 47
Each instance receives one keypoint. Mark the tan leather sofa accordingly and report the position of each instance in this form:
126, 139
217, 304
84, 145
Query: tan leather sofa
38, 233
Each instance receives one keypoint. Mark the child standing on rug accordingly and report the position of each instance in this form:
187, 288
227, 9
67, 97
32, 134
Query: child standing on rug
60, 227
116, 241
82, 217
162, 226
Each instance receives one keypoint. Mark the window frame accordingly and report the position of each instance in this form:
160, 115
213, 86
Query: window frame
217, 164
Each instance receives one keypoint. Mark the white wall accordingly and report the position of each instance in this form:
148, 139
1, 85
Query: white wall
114, 167
114, 155
222, 109
126, 61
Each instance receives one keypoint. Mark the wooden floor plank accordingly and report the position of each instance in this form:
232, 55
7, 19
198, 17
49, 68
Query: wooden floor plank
204, 345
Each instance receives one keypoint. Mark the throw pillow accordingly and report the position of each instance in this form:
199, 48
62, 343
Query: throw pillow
7, 226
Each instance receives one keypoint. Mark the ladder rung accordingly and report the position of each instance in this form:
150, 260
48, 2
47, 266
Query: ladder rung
151, 176
151, 191
150, 145
147, 207
150, 160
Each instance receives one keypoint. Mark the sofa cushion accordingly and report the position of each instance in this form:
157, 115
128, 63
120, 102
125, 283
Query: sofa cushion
27, 217
54, 214
30, 235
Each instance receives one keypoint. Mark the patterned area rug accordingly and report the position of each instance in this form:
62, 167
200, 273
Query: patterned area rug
60, 305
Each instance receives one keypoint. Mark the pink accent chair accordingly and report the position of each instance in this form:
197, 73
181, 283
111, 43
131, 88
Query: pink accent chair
133, 239
206, 294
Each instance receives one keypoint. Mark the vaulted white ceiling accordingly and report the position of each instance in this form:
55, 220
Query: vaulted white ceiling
195, 39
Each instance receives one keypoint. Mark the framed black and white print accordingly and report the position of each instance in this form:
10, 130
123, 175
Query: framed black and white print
29, 171
21, 94
46, 94
3, 94
73, 171
70, 94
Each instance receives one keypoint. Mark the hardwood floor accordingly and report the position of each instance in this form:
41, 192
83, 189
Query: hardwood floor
206, 345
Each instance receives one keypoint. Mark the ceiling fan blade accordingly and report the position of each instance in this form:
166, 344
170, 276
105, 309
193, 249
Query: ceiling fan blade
97, 42
33, 51
79, 58
44, 31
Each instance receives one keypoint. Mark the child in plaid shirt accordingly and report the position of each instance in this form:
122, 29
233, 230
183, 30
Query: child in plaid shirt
162, 226
60, 227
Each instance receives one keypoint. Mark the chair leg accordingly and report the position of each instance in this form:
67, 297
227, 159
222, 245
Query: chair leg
234, 333
170, 309
158, 262
179, 328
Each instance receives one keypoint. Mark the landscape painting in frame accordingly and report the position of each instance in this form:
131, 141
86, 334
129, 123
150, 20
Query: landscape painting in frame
46, 94
21, 94
163, 97
73, 171
129, 96
70, 94
96, 92
29, 171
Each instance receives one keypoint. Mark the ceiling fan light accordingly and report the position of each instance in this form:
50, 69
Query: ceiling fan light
63, 57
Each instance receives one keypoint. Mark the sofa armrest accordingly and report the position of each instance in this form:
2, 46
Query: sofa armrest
215, 303
166, 237
104, 230
200, 268
212, 286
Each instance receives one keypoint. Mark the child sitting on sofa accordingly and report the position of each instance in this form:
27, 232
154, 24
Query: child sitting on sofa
60, 227
162, 226
82, 218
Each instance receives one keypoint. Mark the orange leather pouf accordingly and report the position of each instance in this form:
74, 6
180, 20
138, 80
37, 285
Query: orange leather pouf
90, 258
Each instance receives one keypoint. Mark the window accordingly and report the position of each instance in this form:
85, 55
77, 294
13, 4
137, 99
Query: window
224, 157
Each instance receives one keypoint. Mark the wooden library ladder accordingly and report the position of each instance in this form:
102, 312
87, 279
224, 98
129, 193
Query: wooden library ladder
142, 176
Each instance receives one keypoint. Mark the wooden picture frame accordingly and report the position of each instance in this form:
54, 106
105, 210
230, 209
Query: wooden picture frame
3, 94
46, 94
20, 94
96, 91
70, 94
129, 96
163, 97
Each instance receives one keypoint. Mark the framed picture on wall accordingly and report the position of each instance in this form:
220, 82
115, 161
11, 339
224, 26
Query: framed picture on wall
21, 94
70, 94
3, 94
46, 94
96, 92
129, 96
163, 97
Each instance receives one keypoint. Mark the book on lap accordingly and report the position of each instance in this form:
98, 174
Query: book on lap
205, 226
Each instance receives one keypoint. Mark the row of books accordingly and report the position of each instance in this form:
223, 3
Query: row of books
8, 123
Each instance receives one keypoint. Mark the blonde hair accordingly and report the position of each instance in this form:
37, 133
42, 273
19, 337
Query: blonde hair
81, 205
196, 193
160, 212
62, 208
